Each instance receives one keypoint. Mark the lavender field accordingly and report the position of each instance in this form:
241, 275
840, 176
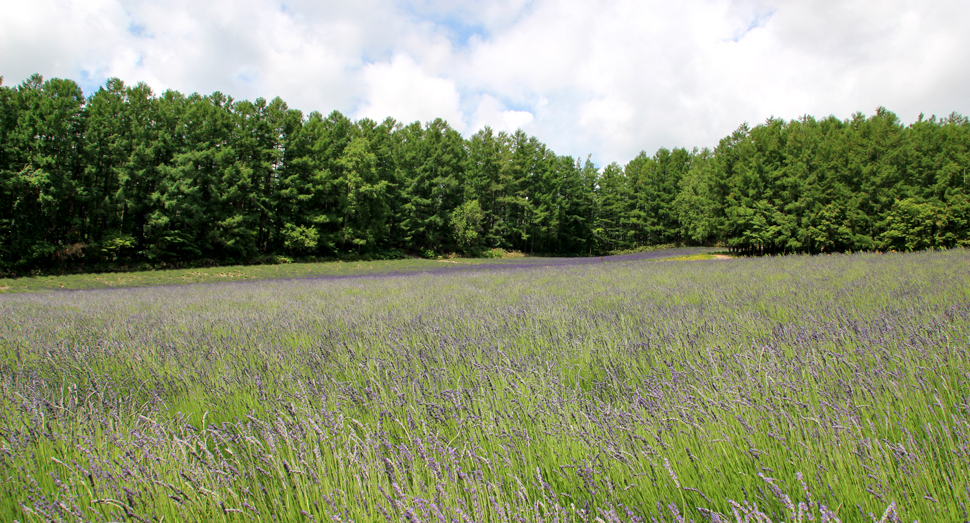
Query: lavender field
831, 388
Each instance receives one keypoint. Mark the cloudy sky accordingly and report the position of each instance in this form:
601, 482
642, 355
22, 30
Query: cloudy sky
603, 77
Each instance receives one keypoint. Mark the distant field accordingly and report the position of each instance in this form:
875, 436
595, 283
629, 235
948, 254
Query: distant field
604, 390
316, 270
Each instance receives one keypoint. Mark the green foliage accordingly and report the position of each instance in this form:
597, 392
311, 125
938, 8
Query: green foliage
300, 239
128, 176
467, 220
914, 224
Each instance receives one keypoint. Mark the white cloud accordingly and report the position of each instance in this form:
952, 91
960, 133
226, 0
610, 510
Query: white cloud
515, 120
492, 113
608, 77
402, 90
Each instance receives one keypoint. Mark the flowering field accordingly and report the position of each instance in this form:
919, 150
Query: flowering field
324, 270
777, 389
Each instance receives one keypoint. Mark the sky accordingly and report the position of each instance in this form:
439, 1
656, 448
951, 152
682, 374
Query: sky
606, 78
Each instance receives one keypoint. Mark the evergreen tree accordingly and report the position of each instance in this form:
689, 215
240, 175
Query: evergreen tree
44, 173
126, 176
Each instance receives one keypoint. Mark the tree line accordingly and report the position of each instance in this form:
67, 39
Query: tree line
126, 176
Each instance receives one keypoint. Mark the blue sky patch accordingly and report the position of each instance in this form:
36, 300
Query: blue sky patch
759, 20
139, 30
459, 32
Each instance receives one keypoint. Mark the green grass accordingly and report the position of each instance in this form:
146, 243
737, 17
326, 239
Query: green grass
212, 275
238, 273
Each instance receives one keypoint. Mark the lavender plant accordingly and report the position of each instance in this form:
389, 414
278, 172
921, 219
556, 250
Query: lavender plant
779, 389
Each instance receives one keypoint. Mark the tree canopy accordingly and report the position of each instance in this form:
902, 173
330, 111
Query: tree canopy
126, 175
